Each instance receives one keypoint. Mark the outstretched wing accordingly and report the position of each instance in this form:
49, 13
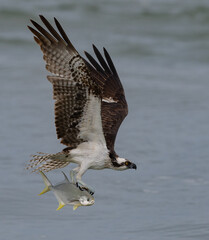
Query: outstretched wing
77, 96
114, 105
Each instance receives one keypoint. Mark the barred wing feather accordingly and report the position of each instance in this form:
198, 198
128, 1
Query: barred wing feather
76, 94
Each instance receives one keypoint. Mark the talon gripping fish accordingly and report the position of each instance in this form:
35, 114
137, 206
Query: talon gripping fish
68, 193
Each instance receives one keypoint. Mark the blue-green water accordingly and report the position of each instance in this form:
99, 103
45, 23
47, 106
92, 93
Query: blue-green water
161, 50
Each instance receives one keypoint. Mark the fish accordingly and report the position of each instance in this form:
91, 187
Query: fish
67, 193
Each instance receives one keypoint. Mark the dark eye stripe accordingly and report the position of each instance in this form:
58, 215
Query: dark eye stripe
127, 163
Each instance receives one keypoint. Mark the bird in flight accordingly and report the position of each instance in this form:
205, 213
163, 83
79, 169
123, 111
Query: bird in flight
90, 106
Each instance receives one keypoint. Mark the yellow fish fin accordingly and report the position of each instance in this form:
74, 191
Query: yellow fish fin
61, 205
76, 206
46, 189
46, 182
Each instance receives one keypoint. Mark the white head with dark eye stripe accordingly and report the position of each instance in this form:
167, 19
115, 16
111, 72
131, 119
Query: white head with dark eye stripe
121, 163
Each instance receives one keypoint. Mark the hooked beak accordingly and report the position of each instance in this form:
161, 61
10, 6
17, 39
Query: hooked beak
133, 166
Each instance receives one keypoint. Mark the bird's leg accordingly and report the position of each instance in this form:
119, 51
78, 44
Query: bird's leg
73, 172
80, 183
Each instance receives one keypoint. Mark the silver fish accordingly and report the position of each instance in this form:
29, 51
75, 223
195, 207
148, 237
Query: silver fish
67, 193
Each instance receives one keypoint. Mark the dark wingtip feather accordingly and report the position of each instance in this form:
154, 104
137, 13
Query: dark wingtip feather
62, 32
42, 31
50, 28
59, 27
101, 59
35, 24
29, 27
42, 17
95, 48
36, 33
110, 62
93, 62
37, 40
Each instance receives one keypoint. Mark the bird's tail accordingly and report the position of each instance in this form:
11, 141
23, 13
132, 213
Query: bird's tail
46, 162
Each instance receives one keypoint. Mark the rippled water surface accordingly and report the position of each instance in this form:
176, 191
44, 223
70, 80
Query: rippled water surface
161, 50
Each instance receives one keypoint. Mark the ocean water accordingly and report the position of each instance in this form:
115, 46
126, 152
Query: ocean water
161, 51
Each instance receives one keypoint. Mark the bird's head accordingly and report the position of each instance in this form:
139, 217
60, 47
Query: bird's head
119, 163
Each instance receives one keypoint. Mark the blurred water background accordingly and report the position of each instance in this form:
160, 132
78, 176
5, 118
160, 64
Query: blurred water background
161, 51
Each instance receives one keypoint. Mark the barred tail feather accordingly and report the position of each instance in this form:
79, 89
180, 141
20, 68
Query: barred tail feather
46, 162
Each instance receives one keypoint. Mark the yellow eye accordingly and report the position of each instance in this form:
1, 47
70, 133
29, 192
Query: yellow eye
127, 163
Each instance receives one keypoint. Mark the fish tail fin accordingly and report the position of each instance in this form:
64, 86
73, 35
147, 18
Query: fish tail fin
61, 205
46, 182
46, 162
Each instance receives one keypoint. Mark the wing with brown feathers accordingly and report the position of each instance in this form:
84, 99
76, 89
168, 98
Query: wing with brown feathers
73, 86
114, 106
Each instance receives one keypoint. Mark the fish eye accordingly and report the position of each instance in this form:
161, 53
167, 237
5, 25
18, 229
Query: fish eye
88, 199
127, 163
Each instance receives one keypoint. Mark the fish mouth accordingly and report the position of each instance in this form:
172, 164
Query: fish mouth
86, 202
91, 202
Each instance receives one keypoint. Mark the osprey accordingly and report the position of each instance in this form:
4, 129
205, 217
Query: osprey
90, 106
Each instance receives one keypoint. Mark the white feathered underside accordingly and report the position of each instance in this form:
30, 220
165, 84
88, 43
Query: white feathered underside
92, 153
91, 123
